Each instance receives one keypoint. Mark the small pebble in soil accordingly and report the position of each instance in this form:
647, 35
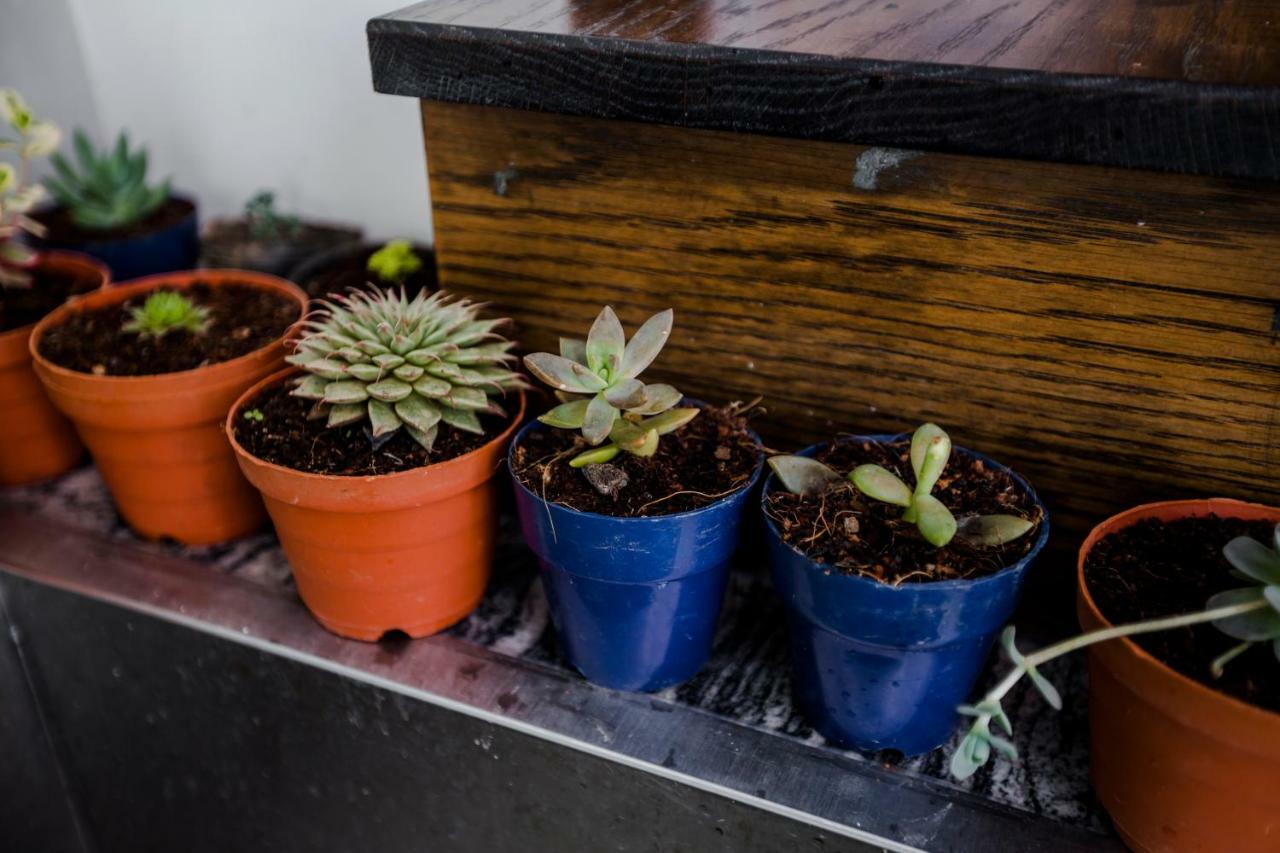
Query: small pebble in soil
606, 479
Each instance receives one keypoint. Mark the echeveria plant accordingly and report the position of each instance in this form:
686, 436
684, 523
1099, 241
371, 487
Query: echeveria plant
1250, 614
166, 311
930, 452
404, 363
602, 395
394, 262
265, 223
109, 190
32, 138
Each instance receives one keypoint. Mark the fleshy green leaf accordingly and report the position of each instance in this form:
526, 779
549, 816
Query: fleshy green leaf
389, 390
669, 421
565, 375
342, 415
311, 387
625, 393
566, 415
992, 530
431, 386
1250, 557
657, 399
462, 419
345, 392
1253, 625
574, 349
930, 450
1047, 690
801, 475
605, 344
598, 420
382, 418
881, 484
426, 438
595, 456
646, 343
419, 413
935, 522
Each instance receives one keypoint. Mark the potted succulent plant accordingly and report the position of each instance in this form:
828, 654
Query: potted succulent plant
397, 263
633, 506
898, 569
376, 455
266, 240
1184, 717
106, 209
35, 441
147, 370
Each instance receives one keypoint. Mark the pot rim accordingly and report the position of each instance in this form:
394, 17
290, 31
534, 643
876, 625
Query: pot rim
308, 476
79, 257
182, 279
1042, 537
638, 519
1086, 604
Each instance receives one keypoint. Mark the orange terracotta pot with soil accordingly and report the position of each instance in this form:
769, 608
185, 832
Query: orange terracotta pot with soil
36, 441
409, 550
1179, 766
157, 438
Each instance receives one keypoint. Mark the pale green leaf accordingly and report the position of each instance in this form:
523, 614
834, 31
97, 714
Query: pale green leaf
598, 420
345, 392
419, 413
670, 420
930, 450
389, 390
574, 350
992, 530
595, 456
1253, 625
935, 522
802, 475
605, 344
881, 484
382, 418
657, 399
345, 414
566, 415
562, 374
1250, 557
646, 343
462, 419
625, 393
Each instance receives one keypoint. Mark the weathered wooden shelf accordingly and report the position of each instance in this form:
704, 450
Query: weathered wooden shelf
1182, 87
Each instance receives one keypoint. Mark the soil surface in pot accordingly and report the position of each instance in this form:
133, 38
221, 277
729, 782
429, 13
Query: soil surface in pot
860, 536
352, 271
286, 437
62, 230
242, 318
23, 306
709, 458
1157, 568
230, 243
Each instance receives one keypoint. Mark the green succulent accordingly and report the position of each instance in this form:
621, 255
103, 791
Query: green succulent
167, 311
265, 224
394, 262
1250, 614
32, 138
601, 395
930, 452
404, 363
110, 189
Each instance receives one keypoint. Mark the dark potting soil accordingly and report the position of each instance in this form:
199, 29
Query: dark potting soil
285, 436
352, 271
1155, 569
860, 536
22, 306
231, 244
242, 319
707, 459
62, 230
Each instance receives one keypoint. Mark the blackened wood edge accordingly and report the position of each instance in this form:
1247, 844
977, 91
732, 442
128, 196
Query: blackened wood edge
1214, 130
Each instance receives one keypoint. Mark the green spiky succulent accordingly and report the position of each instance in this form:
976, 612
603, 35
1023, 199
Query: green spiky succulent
394, 262
930, 451
398, 362
601, 395
110, 189
166, 311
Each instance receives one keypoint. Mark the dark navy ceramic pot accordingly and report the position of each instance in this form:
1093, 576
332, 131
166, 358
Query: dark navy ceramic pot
882, 667
635, 600
170, 249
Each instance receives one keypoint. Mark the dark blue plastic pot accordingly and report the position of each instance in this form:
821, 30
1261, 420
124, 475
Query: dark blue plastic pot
882, 667
170, 249
635, 600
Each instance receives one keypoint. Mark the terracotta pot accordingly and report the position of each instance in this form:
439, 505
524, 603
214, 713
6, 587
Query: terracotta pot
1178, 766
36, 442
157, 440
408, 551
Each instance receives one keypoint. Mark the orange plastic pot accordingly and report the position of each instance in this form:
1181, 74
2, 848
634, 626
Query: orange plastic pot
1178, 766
36, 442
158, 440
408, 551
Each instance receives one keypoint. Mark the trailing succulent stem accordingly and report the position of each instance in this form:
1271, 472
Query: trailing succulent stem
167, 311
1250, 614
930, 452
601, 394
32, 138
108, 190
394, 262
399, 363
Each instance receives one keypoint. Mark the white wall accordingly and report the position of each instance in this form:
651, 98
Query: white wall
232, 96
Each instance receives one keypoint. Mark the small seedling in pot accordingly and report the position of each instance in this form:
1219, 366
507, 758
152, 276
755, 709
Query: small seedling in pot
404, 363
394, 262
254, 415
1250, 614
930, 452
31, 138
109, 190
597, 381
265, 224
166, 311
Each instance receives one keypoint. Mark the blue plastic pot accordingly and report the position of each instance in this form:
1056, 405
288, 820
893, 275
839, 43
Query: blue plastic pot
170, 249
635, 600
882, 667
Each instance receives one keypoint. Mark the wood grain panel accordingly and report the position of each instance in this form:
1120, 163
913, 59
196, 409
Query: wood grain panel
1111, 334
1189, 86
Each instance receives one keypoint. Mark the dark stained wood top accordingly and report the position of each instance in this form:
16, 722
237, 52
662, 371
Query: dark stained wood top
1177, 85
